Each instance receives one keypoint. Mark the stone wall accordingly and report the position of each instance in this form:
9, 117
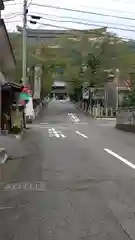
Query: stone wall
125, 119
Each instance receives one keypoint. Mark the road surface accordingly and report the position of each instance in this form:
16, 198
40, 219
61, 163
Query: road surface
77, 182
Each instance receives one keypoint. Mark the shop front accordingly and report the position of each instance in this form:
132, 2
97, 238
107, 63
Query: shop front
9, 107
7, 64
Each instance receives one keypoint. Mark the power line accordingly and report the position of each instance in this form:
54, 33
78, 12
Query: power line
129, 2
73, 29
94, 24
13, 21
89, 24
105, 9
81, 11
85, 6
56, 26
15, 15
77, 30
80, 19
12, 4
97, 25
12, 15
30, 2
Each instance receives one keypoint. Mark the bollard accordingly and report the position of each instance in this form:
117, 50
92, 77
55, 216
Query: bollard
111, 112
3, 159
106, 112
102, 110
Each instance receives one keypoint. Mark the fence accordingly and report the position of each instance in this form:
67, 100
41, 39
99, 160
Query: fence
98, 111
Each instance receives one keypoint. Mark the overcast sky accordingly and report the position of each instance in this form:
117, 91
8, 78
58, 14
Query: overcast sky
121, 8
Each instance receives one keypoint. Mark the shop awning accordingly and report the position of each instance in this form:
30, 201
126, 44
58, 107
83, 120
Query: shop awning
11, 85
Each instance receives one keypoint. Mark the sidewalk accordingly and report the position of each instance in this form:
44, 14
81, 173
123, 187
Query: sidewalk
17, 150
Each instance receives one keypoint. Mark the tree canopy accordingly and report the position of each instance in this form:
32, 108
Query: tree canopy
77, 57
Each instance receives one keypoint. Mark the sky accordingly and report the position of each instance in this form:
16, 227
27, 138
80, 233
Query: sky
123, 9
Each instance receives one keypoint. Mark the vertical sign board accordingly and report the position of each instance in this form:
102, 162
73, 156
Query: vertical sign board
37, 82
86, 91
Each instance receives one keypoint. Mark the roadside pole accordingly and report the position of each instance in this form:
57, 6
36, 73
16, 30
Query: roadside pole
117, 88
24, 51
24, 43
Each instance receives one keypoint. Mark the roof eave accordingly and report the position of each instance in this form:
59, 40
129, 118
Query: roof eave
2, 5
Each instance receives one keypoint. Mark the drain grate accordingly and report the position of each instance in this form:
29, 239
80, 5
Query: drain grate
26, 186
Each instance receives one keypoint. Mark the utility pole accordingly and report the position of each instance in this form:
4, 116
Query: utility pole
24, 43
117, 88
24, 51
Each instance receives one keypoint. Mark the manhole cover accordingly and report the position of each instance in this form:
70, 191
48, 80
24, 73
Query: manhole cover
26, 186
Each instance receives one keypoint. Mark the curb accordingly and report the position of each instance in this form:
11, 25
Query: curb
107, 119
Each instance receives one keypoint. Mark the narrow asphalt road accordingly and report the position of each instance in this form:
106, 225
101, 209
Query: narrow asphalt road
77, 182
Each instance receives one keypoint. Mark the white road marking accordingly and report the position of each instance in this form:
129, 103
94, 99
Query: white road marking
6, 207
55, 133
81, 134
52, 132
73, 117
82, 123
62, 135
120, 158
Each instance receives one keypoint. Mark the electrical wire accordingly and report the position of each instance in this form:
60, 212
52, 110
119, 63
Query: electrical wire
13, 21
79, 19
10, 14
77, 22
81, 11
30, 2
105, 9
12, 4
97, 25
85, 31
89, 24
74, 30
94, 24
16, 15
